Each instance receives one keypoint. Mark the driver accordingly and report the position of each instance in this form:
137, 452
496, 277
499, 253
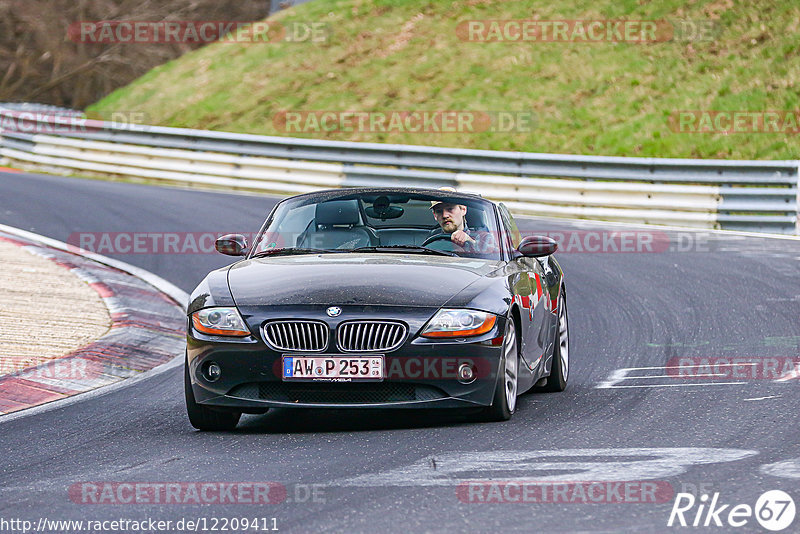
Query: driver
452, 220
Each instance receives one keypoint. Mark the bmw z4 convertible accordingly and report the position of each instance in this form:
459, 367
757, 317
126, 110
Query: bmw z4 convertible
377, 298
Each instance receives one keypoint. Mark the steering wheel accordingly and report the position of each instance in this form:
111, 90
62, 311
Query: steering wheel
466, 247
437, 237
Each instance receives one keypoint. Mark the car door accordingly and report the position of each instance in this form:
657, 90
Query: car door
530, 296
551, 282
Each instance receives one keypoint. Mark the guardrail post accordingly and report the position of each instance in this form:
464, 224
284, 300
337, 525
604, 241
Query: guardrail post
797, 204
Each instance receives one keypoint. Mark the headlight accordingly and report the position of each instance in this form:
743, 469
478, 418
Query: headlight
459, 323
220, 322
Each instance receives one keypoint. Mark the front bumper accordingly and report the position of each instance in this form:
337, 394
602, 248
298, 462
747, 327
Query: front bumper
422, 373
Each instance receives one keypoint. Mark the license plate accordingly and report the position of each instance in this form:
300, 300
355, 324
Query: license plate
333, 368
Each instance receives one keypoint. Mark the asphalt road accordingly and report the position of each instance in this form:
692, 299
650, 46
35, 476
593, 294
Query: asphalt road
631, 314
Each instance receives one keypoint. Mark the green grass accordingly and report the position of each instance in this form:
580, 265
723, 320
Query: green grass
587, 98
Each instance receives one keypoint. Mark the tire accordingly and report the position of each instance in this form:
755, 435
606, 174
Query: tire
559, 369
504, 403
202, 417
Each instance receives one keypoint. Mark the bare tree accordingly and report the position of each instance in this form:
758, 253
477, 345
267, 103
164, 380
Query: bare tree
40, 62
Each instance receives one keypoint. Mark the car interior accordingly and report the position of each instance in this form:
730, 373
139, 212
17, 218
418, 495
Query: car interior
345, 224
338, 224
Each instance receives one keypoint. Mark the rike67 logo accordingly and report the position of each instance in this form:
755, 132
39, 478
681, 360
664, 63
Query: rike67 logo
774, 510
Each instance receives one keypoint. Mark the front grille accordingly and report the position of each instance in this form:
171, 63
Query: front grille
366, 336
306, 336
336, 393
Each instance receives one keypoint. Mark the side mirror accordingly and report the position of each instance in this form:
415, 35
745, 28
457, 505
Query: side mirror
231, 244
536, 246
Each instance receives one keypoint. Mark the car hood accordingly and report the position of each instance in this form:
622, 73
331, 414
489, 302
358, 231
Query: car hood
361, 279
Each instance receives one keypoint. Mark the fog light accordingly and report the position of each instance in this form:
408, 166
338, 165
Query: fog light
212, 371
465, 373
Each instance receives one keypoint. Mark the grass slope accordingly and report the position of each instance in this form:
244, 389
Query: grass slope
588, 98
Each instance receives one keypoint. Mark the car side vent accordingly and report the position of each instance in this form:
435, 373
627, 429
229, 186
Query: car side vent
369, 336
305, 336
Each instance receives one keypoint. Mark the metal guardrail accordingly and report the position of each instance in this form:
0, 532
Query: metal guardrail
729, 194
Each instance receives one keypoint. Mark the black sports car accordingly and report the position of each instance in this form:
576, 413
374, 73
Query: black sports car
377, 298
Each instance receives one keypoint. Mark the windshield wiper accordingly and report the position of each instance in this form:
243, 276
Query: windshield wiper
292, 250
395, 248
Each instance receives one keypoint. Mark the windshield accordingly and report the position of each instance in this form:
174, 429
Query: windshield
382, 223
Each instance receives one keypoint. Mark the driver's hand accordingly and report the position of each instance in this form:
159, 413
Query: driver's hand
460, 237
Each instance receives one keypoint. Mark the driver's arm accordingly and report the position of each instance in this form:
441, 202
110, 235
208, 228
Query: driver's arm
460, 238
484, 241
